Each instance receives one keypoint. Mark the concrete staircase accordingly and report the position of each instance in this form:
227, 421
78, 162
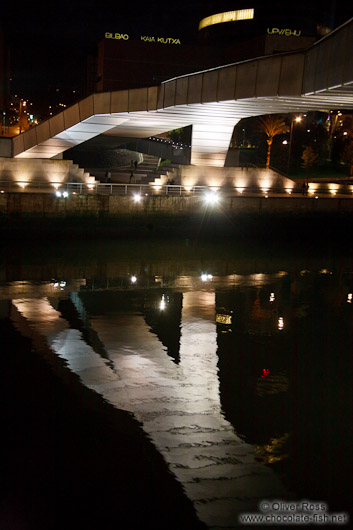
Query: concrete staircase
39, 171
147, 172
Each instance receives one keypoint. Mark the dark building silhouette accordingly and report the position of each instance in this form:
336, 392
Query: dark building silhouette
227, 33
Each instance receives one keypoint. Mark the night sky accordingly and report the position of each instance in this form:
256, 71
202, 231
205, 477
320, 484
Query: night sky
49, 41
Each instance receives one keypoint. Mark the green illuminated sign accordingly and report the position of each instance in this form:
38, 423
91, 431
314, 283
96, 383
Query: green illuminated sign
144, 38
285, 32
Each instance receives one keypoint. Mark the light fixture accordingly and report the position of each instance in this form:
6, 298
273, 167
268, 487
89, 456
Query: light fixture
211, 198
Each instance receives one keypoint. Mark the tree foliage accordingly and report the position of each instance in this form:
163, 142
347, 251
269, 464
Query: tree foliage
272, 126
309, 157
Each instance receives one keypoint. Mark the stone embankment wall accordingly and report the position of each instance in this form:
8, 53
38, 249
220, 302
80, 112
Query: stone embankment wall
283, 220
42, 204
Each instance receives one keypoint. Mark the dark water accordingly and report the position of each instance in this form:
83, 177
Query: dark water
228, 371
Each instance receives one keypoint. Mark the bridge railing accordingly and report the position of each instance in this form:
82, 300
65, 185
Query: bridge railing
66, 189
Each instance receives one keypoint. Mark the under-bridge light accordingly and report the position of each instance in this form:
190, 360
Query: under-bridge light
211, 198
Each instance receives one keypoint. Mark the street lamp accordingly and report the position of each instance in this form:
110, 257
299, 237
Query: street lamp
297, 119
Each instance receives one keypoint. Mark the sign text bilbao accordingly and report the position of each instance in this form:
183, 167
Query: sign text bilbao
144, 38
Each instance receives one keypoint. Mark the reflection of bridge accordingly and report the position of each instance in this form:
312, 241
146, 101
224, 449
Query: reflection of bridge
178, 404
212, 102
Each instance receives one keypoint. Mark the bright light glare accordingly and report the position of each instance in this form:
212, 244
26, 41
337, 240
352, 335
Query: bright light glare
137, 197
280, 323
349, 298
162, 303
65, 194
205, 277
211, 198
272, 297
133, 279
58, 193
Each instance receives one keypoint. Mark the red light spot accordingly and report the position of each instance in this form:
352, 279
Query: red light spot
265, 373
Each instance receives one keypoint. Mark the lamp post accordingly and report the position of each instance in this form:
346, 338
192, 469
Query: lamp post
297, 119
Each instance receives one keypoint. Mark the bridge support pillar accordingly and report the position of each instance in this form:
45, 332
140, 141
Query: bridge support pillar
210, 143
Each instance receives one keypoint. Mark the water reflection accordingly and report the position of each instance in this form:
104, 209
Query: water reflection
239, 379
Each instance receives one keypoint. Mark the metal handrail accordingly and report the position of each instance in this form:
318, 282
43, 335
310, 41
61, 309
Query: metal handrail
83, 188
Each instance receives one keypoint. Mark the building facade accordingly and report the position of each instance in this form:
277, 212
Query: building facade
228, 32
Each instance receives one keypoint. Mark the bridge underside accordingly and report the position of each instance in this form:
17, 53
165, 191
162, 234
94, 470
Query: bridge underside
213, 102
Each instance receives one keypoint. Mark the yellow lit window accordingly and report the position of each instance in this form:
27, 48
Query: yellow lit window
228, 16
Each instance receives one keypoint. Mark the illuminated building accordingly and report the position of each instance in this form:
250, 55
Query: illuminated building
251, 29
227, 33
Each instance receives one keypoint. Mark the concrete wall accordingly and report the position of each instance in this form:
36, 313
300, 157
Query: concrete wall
235, 177
5, 147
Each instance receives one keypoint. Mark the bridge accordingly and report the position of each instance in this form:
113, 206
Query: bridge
212, 101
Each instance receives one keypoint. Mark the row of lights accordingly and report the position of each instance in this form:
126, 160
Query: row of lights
211, 197
178, 145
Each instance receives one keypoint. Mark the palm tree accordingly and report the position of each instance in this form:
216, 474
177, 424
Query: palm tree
272, 126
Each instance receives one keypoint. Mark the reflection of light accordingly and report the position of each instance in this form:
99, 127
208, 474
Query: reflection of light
157, 187
298, 119
223, 319
22, 185
325, 271
205, 277
272, 297
211, 197
133, 279
136, 197
58, 193
90, 186
188, 188
280, 323
285, 142
62, 284
349, 298
162, 303
65, 194
239, 190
